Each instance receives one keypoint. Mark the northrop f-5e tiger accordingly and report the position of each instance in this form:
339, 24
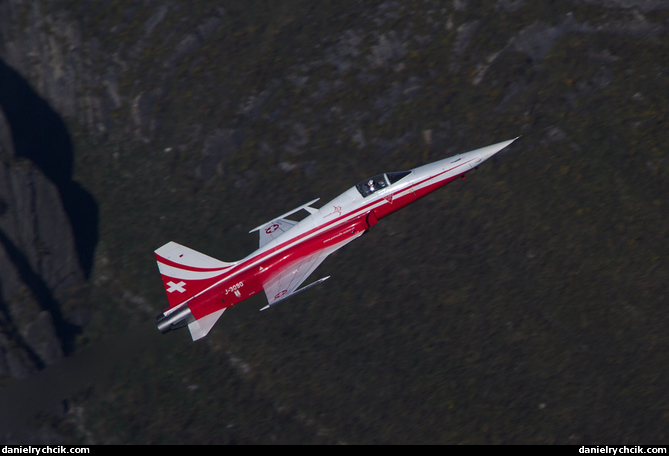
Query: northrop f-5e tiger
199, 288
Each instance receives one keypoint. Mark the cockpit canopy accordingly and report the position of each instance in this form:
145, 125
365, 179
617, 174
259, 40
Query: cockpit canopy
373, 184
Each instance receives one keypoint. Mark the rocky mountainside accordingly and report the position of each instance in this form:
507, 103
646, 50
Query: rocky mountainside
29, 340
525, 305
42, 281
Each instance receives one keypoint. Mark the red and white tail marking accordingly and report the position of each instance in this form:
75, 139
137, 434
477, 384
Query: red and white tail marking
186, 272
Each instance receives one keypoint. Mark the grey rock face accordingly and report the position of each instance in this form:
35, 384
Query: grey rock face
37, 262
41, 274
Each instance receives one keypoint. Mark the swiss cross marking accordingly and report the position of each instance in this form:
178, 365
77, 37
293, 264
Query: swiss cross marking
176, 287
280, 294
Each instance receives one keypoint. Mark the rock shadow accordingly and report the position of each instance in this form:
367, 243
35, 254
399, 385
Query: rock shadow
40, 135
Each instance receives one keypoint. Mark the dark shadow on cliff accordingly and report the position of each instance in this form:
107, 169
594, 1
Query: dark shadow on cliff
65, 331
39, 134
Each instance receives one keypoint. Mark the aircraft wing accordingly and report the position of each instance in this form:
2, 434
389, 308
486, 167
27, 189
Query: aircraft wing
278, 226
275, 229
285, 283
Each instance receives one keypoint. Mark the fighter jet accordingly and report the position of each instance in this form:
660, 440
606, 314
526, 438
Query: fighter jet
200, 288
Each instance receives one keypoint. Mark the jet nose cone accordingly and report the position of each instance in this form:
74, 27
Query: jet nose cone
484, 153
489, 151
463, 162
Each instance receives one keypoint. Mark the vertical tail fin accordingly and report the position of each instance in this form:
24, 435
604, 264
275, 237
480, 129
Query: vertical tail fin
186, 272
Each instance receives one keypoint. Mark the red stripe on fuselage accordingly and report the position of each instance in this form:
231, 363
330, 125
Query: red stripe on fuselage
252, 278
249, 272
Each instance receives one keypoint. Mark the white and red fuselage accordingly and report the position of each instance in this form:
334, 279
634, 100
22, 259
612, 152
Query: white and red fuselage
200, 288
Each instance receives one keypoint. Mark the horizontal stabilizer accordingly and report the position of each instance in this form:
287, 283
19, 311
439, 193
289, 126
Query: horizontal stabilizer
200, 328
